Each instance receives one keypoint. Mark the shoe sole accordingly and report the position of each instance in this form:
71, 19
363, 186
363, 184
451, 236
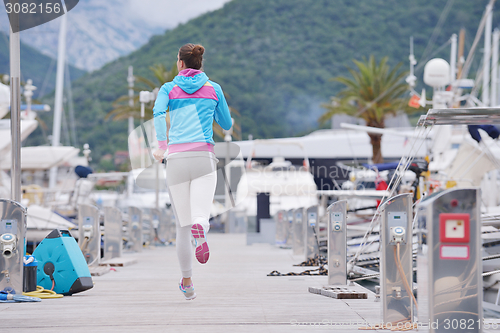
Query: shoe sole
202, 251
190, 298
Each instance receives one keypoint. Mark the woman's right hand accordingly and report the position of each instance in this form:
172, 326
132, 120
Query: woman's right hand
158, 154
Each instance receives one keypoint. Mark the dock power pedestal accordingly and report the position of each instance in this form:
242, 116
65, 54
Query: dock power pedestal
337, 257
12, 246
449, 264
311, 233
113, 233
135, 228
337, 248
298, 231
396, 260
281, 225
289, 229
89, 234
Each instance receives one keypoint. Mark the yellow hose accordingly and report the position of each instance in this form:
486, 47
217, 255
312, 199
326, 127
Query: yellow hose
42, 293
403, 276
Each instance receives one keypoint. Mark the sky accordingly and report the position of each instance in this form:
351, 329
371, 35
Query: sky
164, 14
100, 31
169, 13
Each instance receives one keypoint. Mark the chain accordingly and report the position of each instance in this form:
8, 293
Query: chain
318, 271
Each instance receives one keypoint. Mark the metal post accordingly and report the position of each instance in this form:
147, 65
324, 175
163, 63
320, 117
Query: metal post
113, 233
135, 228
494, 68
487, 55
143, 156
396, 259
281, 219
227, 167
89, 234
449, 274
130, 80
157, 185
58, 103
411, 78
298, 231
289, 229
311, 233
159, 226
15, 108
337, 250
12, 246
453, 58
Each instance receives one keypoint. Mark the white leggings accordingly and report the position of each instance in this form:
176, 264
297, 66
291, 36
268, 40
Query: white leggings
191, 180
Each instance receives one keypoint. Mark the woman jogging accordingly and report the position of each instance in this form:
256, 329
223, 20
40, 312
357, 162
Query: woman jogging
193, 102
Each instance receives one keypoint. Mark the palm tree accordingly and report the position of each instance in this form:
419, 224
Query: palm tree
373, 92
122, 110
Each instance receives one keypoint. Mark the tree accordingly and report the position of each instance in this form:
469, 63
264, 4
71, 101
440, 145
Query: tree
121, 108
373, 92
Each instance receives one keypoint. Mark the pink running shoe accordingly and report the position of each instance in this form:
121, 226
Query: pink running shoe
188, 291
202, 252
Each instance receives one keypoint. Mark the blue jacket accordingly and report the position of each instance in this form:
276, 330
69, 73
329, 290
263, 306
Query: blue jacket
194, 103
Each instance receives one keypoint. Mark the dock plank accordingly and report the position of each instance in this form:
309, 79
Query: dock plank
234, 295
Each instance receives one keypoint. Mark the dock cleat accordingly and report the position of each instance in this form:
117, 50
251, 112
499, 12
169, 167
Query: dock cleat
202, 251
188, 291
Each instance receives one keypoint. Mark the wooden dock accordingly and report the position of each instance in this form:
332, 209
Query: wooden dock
234, 295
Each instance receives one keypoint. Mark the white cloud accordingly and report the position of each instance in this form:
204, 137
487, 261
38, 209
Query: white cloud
168, 14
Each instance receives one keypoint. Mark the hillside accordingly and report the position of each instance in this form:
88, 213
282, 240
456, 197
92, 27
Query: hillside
34, 65
102, 31
275, 58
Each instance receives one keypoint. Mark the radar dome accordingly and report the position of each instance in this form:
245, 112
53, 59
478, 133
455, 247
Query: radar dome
437, 73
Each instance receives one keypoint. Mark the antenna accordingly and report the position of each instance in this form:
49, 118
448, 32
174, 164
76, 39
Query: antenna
412, 79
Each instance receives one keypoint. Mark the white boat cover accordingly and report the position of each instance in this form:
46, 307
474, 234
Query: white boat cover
44, 219
27, 127
41, 157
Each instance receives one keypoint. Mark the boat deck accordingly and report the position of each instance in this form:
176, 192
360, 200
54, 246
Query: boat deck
234, 295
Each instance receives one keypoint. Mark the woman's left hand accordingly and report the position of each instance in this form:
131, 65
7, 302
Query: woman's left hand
158, 154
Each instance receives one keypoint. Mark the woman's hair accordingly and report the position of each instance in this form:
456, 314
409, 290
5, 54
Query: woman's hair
192, 55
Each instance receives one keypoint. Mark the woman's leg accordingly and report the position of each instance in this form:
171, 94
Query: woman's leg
179, 191
202, 196
184, 251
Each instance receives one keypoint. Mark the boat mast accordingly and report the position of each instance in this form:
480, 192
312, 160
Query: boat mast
494, 68
58, 104
487, 56
130, 80
15, 105
453, 59
461, 59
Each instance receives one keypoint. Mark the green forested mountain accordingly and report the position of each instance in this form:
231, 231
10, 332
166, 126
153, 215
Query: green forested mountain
275, 58
34, 65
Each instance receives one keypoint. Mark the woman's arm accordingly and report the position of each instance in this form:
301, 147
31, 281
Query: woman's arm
159, 113
222, 114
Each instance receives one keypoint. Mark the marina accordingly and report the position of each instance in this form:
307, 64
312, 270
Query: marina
371, 224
